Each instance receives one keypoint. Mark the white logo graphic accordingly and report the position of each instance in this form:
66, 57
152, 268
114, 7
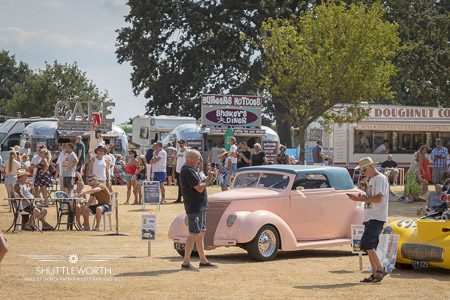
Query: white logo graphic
73, 258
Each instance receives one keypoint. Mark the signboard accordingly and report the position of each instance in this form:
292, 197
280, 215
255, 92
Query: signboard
227, 139
224, 111
357, 232
151, 192
194, 144
148, 227
77, 115
237, 131
270, 149
387, 251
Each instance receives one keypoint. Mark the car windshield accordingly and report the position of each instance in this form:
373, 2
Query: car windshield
261, 180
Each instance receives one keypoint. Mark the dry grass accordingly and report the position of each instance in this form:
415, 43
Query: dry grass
325, 273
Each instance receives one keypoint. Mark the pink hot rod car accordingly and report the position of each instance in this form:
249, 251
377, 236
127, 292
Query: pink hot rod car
279, 207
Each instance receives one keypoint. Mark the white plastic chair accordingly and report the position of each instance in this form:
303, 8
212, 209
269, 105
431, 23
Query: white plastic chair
114, 199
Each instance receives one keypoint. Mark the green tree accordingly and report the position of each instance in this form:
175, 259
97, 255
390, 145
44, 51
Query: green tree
334, 54
12, 73
43, 88
180, 49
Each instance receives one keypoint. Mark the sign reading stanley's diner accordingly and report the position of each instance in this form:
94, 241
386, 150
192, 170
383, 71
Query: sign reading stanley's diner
223, 111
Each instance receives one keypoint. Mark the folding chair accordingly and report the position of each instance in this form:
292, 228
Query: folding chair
63, 208
114, 199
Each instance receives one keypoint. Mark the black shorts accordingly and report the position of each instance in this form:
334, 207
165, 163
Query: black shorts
371, 235
68, 182
169, 171
105, 207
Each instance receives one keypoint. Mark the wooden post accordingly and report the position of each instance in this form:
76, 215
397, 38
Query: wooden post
360, 261
149, 248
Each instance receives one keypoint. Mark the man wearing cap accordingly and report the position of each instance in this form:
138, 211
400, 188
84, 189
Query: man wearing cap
22, 191
101, 193
181, 159
375, 214
438, 155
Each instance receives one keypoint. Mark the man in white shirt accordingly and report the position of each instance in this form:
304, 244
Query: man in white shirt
180, 161
375, 214
383, 148
68, 166
158, 163
363, 140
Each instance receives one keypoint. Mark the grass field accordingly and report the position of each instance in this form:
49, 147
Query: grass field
324, 273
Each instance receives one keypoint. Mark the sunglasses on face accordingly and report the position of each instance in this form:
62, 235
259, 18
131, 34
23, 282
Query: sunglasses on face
364, 170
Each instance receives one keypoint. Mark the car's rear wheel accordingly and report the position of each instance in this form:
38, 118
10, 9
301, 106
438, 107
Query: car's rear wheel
265, 245
180, 249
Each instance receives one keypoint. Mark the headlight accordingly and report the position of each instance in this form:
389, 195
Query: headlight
388, 230
231, 219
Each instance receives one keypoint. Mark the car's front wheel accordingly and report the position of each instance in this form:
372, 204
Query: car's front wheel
180, 249
265, 245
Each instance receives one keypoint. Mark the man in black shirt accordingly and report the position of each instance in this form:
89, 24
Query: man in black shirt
389, 168
243, 156
195, 203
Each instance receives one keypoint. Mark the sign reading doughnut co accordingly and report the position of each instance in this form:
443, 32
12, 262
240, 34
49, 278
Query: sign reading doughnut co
231, 111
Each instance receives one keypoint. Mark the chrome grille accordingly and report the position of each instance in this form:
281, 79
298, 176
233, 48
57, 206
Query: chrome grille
213, 215
422, 252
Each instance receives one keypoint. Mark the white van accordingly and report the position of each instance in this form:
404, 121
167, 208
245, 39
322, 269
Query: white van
149, 129
11, 131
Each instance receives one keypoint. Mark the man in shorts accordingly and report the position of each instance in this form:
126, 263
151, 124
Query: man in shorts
68, 168
376, 203
195, 204
158, 163
101, 193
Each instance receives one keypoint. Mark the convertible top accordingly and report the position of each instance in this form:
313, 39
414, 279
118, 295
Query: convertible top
338, 177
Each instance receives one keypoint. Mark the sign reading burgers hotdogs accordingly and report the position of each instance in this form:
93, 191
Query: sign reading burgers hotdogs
223, 111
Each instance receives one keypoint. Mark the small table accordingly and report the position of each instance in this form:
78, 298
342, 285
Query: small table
17, 207
71, 204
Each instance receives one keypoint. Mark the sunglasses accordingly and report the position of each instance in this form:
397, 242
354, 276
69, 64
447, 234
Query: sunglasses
364, 170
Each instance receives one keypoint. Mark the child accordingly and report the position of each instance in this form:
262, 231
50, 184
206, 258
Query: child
224, 169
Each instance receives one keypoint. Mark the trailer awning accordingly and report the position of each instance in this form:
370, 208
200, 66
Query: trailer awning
68, 134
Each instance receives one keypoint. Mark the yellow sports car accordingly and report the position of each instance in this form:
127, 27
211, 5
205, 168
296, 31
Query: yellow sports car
424, 242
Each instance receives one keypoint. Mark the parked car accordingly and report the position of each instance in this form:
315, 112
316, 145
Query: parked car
279, 207
424, 242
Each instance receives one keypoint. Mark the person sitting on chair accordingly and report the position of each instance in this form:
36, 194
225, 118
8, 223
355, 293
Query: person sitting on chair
101, 193
389, 168
22, 191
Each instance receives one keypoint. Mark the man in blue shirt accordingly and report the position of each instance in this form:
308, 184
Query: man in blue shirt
438, 155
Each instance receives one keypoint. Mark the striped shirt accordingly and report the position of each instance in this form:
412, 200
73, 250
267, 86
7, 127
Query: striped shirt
439, 163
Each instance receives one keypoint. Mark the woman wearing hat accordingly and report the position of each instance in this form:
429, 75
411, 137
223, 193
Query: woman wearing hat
12, 165
99, 166
282, 158
224, 169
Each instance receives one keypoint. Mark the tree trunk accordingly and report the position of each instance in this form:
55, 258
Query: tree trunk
302, 140
283, 121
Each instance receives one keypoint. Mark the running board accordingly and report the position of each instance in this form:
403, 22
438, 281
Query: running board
322, 243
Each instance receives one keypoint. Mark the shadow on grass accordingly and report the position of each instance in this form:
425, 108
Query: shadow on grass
432, 273
238, 258
327, 286
149, 273
341, 272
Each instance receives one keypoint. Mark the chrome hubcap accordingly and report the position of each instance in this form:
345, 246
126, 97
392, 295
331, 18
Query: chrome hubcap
267, 243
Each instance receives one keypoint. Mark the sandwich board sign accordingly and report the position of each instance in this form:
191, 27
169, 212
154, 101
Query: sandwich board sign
151, 193
148, 230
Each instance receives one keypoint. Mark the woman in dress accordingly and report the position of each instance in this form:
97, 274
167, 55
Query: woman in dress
43, 179
224, 170
130, 175
258, 158
422, 159
413, 183
12, 165
282, 158
140, 177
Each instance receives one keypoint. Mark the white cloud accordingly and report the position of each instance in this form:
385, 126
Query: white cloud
53, 4
23, 37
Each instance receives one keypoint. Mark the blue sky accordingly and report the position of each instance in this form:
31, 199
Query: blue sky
81, 31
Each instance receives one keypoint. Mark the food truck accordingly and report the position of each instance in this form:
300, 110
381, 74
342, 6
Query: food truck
149, 129
406, 128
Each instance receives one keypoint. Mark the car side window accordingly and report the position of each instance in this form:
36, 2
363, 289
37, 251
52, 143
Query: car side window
276, 181
311, 181
246, 180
